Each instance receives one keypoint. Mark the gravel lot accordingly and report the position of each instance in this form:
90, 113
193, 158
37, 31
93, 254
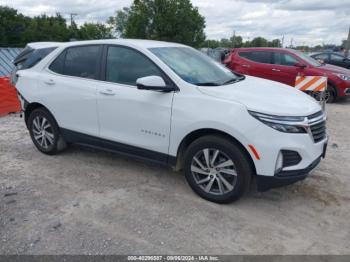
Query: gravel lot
90, 202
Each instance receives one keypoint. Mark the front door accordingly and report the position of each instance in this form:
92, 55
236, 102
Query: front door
137, 121
284, 68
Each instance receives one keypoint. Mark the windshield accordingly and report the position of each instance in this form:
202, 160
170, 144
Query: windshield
194, 67
307, 58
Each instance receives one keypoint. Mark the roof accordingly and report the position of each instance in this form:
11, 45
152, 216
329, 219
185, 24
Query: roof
132, 42
7, 55
262, 49
38, 45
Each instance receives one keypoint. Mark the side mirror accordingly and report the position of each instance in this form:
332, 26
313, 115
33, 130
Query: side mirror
299, 65
154, 83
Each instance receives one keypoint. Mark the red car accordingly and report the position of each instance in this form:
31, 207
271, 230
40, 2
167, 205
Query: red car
284, 65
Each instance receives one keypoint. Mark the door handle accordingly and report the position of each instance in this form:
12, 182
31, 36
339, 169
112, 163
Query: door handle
107, 92
246, 65
275, 70
49, 82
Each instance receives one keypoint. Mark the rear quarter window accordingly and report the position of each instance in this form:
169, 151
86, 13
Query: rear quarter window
31, 58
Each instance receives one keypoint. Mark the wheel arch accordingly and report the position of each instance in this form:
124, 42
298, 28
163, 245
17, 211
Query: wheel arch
194, 135
30, 108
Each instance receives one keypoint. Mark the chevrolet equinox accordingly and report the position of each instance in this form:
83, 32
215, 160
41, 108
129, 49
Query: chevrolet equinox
171, 104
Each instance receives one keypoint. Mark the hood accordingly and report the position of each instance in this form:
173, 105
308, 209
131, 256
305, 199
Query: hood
335, 69
265, 96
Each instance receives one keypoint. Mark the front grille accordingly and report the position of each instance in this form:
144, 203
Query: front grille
317, 124
290, 158
318, 131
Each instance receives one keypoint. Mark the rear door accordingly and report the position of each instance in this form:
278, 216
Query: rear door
68, 86
256, 63
284, 69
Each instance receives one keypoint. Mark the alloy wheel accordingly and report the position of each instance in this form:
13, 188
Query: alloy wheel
43, 132
213, 171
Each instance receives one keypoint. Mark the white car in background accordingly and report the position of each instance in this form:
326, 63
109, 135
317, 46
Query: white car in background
171, 104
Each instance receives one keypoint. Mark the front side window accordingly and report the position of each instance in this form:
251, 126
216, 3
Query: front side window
193, 66
284, 59
80, 61
306, 58
125, 66
323, 57
337, 58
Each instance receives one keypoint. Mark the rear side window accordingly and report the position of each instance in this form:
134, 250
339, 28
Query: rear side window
258, 56
246, 55
284, 59
30, 57
82, 61
125, 66
58, 65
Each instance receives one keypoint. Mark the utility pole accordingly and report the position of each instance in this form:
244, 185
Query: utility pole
234, 39
291, 42
347, 45
72, 15
282, 41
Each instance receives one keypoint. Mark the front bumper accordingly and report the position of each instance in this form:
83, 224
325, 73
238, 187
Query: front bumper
284, 178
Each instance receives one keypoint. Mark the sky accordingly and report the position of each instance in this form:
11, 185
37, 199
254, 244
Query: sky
310, 22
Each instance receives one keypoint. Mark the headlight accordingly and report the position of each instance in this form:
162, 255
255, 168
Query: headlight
343, 77
286, 124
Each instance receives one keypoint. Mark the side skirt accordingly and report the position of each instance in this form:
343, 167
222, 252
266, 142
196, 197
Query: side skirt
119, 148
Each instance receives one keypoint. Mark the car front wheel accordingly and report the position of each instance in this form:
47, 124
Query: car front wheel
217, 169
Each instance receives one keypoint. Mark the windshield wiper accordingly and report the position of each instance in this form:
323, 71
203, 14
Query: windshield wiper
234, 80
207, 84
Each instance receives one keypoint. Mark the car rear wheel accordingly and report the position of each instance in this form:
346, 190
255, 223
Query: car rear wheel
44, 132
217, 169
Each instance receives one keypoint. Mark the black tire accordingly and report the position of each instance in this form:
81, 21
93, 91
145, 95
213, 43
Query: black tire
56, 142
332, 94
242, 167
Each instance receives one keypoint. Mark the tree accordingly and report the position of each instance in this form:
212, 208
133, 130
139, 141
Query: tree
237, 41
166, 20
210, 43
12, 26
118, 22
46, 28
259, 42
90, 31
275, 43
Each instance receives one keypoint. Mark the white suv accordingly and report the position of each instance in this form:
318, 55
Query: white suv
171, 104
